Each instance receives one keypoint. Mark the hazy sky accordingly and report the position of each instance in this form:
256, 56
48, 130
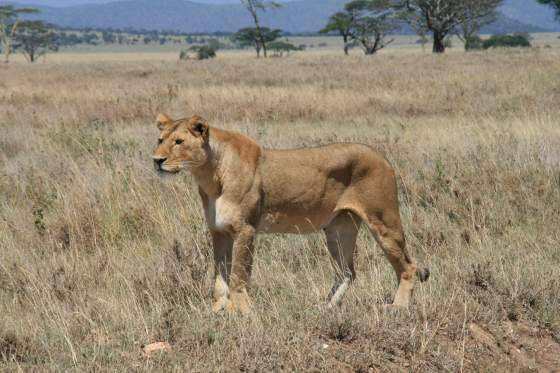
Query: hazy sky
78, 2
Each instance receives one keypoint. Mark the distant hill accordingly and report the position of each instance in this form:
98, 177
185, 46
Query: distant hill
295, 16
186, 16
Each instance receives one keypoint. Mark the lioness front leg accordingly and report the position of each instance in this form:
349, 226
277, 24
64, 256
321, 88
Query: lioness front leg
222, 244
241, 269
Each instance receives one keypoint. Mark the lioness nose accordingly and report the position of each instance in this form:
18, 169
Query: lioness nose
158, 162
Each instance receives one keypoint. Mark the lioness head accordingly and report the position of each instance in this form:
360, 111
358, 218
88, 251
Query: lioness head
182, 144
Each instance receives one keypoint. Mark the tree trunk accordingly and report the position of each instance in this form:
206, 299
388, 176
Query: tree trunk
7, 49
258, 29
32, 55
439, 44
369, 49
345, 38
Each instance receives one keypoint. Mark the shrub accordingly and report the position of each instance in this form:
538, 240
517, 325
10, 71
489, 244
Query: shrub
204, 52
198, 52
507, 41
473, 43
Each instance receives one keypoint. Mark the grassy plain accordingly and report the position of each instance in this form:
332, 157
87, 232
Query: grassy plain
315, 46
99, 256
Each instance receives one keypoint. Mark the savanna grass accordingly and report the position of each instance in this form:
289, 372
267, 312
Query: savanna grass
99, 256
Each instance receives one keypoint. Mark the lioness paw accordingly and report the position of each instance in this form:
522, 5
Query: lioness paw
394, 307
239, 303
220, 305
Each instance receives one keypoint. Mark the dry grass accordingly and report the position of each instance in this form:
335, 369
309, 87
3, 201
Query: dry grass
98, 256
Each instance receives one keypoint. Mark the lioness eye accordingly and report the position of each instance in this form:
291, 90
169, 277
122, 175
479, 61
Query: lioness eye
160, 141
178, 141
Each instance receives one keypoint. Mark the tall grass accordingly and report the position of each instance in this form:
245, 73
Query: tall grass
99, 256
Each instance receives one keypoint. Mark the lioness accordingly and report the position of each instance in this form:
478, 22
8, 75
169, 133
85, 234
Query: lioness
246, 189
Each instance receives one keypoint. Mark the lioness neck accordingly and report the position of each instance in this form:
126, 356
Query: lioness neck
225, 149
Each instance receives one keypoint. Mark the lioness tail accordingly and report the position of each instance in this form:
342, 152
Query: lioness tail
423, 274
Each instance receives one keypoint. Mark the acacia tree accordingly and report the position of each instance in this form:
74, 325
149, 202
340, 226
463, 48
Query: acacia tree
9, 23
34, 39
254, 6
373, 20
442, 17
249, 36
365, 22
341, 22
280, 47
555, 4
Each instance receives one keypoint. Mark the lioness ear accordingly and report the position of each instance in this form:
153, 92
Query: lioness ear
199, 126
163, 121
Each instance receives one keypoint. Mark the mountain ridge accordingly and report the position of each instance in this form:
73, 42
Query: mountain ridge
303, 16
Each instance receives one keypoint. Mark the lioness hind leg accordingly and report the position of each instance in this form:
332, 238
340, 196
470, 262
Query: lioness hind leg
222, 245
341, 241
390, 236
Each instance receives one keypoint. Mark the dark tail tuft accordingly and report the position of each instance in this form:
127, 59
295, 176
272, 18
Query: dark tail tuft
423, 274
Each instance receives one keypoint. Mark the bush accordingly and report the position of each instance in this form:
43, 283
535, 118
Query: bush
204, 52
507, 41
198, 52
473, 43
279, 47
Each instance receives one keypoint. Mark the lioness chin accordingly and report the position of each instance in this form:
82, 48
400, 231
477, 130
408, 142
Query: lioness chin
246, 189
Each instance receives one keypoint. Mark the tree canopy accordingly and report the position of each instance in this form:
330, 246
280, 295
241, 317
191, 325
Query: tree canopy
373, 20
553, 3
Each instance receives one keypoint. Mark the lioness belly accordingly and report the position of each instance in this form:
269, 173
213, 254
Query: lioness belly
293, 222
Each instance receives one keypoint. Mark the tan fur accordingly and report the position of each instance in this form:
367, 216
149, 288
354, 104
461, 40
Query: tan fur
246, 190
